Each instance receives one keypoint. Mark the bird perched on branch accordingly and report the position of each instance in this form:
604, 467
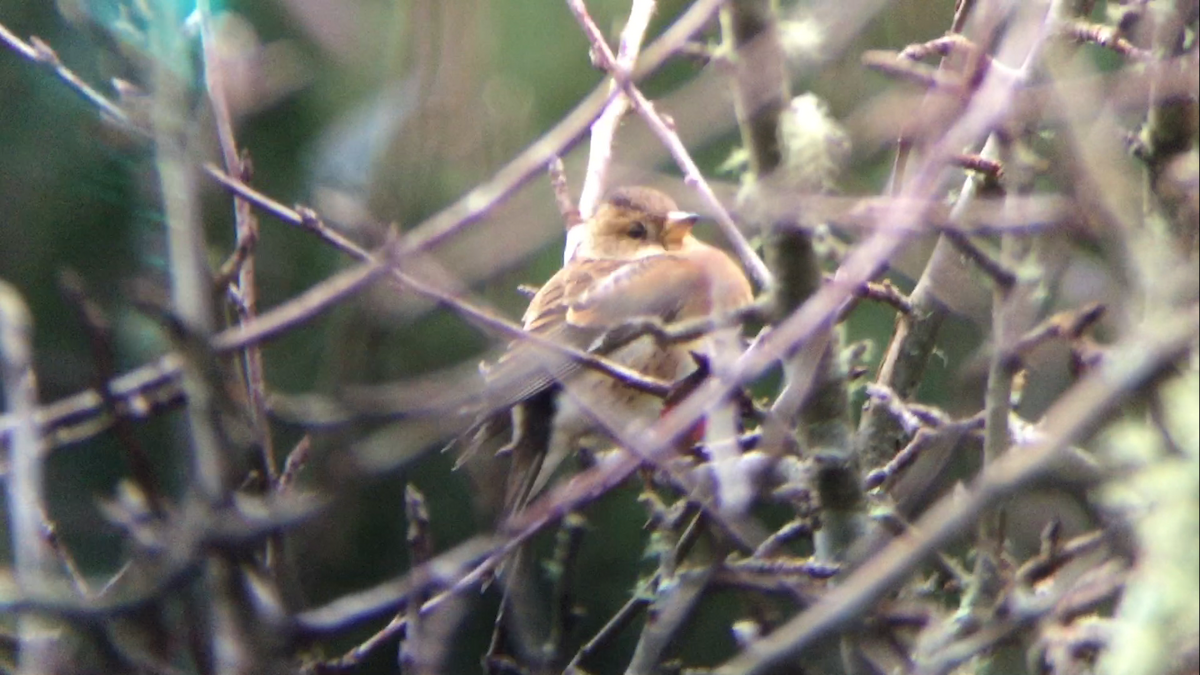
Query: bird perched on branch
637, 260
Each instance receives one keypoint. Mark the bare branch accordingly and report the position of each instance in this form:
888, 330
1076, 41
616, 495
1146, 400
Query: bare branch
33, 558
562, 194
604, 129
666, 134
246, 232
41, 53
1144, 354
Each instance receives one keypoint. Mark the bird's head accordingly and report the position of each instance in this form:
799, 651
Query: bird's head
635, 222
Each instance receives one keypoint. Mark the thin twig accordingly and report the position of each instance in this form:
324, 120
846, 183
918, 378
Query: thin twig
676, 332
100, 337
1067, 325
665, 131
564, 567
472, 206
1013, 304
927, 77
419, 540
784, 566
353, 657
1052, 558
33, 559
615, 624
562, 194
155, 386
798, 527
913, 342
1023, 214
990, 168
52, 540
604, 129
39, 52
1145, 354
996, 270
947, 45
246, 233
310, 220
887, 293
921, 441
148, 389
296, 460
956, 576
1104, 36
910, 416
1149, 351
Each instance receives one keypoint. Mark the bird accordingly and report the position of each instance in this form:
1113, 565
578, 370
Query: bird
637, 258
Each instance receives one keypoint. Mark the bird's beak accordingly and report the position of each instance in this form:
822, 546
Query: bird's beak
679, 226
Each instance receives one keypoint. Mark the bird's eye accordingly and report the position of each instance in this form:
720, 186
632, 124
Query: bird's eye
637, 230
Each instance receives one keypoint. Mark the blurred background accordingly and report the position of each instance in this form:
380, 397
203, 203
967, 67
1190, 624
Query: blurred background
384, 112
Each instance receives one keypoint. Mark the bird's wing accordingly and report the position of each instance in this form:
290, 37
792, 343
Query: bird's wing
547, 312
582, 301
663, 287
697, 282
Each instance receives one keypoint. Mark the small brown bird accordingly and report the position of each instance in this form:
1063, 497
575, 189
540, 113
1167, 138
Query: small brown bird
637, 258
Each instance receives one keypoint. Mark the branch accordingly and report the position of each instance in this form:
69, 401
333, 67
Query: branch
908, 352
554, 143
562, 195
815, 396
1143, 356
666, 134
151, 388
472, 206
41, 53
246, 233
907, 355
1103, 36
605, 127
675, 332
309, 219
33, 559
921, 441
1000, 275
